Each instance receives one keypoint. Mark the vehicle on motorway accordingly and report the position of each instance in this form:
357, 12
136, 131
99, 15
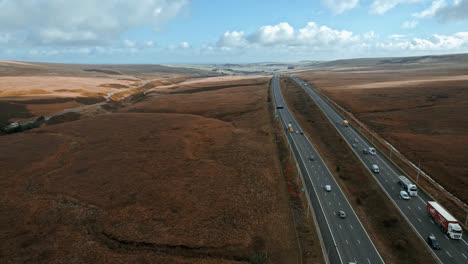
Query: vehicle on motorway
327, 188
297, 131
341, 214
311, 158
354, 145
365, 151
372, 151
280, 107
345, 123
290, 128
301, 132
404, 195
375, 168
352, 262
444, 219
408, 186
355, 140
431, 239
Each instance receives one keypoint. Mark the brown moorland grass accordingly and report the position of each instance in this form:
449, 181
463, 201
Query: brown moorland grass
391, 234
424, 121
192, 181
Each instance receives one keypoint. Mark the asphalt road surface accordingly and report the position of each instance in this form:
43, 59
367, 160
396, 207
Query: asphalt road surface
344, 239
414, 210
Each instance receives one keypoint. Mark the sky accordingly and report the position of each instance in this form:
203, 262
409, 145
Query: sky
228, 31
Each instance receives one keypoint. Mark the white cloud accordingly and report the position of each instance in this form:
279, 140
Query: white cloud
382, 6
316, 35
454, 43
129, 43
370, 35
340, 6
84, 22
319, 41
150, 43
276, 34
312, 36
410, 24
430, 11
457, 11
397, 36
234, 39
184, 45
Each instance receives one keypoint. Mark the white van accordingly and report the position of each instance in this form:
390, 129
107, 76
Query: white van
372, 151
375, 168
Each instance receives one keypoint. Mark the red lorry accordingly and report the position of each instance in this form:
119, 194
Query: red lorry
444, 219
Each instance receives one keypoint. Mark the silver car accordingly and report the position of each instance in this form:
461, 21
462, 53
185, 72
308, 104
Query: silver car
404, 195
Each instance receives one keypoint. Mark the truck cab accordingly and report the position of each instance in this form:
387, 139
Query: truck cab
454, 231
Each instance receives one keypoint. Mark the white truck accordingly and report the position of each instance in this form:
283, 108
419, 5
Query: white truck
444, 219
408, 186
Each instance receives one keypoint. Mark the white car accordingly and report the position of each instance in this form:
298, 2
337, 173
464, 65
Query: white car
404, 195
328, 188
372, 151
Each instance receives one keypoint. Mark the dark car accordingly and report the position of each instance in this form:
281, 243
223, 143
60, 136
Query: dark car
341, 214
365, 151
433, 242
311, 158
354, 145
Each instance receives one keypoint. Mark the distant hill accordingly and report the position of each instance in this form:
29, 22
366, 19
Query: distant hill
396, 61
13, 68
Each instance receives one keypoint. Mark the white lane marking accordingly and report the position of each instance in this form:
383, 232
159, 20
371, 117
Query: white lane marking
369, 261
339, 203
348, 243
464, 241
419, 220
422, 200
351, 226
464, 255
329, 203
359, 242
432, 221
340, 226
409, 207
446, 237
419, 208
448, 253
334, 194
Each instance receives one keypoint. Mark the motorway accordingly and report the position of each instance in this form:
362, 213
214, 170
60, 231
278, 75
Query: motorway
345, 239
414, 210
